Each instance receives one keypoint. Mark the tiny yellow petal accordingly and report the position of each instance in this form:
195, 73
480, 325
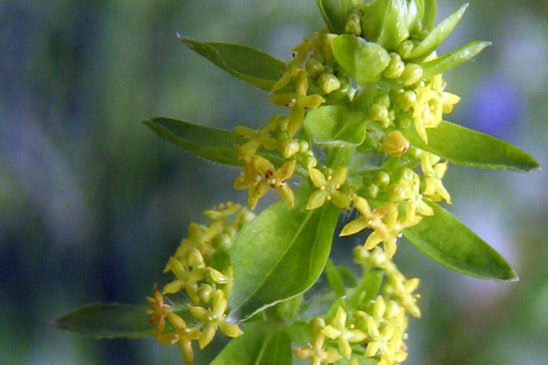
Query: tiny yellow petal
316, 199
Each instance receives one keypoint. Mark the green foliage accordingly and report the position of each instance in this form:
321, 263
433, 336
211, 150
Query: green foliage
248, 64
453, 59
260, 345
448, 241
362, 60
335, 125
438, 34
108, 321
210, 143
281, 244
467, 147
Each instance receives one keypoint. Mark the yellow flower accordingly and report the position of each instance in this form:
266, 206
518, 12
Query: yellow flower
214, 318
298, 101
337, 330
316, 352
261, 137
293, 67
186, 279
434, 171
328, 188
259, 176
183, 336
158, 312
431, 102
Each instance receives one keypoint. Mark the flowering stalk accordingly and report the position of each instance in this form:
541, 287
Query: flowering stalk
363, 132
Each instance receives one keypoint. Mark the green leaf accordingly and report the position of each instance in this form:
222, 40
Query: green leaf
248, 64
108, 321
429, 17
439, 34
259, 345
334, 278
333, 14
335, 125
448, 241
366, 290
210, 143
467, 147
362, 60
281, 254
453, 59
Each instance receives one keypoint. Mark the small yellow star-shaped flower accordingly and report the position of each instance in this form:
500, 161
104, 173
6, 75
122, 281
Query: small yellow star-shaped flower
328, 188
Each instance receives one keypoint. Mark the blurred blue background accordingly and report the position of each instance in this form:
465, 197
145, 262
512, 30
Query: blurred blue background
92, 203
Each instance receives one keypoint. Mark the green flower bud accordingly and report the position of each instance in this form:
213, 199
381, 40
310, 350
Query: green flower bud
406, 48
406, 99
378, 113
373, 190
395, 67
317, 324
353, 25
290, 148
205, 293
223, 241
361, 254
383, 100
382, 178
194, 258
303, 145
412, 74
329, 82
314, 66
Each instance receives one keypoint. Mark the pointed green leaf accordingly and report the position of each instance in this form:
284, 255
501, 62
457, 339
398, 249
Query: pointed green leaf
333, 14
335, 125
248, 64
429, 17
210, 143
108, 321
439, 34
447, 240
453, 59
281, 254
362, 60
259, 345
335, 279
467, 147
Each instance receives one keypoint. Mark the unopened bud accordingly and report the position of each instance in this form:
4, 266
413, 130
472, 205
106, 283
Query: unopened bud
383, 178
290, 148
373, 190
194, 258
329, 82
314, 66
411, 74
395, 67
406, 99
378, 113
395, 144
353, 25
205, 292
405, 48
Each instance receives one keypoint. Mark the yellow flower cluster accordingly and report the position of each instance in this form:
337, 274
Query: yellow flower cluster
379, 326
427, 104
207, 287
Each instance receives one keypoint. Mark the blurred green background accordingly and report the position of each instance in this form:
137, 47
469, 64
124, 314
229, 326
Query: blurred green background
92, 203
